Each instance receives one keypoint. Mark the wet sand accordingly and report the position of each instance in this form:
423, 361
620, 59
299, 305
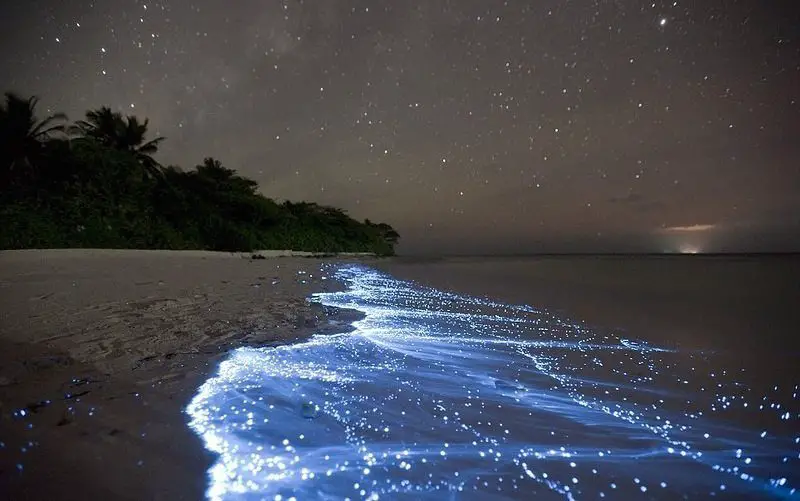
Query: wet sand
101, 350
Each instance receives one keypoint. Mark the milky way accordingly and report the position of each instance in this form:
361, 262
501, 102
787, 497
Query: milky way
434, 395
512, 126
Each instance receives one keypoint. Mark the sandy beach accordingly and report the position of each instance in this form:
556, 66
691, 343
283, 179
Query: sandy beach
100, 350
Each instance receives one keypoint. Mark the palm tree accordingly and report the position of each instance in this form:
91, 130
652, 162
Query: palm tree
134, 141
111, 129
224, 178
101, 125
212, 169
22, 136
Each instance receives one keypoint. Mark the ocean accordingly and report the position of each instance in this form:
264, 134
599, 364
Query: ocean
519, 378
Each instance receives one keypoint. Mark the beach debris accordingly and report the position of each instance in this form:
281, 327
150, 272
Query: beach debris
310, 410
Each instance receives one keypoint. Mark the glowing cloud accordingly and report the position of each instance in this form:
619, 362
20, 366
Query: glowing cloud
689, 229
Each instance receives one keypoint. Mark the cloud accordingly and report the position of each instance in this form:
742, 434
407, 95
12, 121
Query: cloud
694, 228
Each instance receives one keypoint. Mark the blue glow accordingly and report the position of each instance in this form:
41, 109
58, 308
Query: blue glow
435, 394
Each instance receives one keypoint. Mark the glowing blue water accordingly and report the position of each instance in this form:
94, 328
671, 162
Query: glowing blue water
438, 396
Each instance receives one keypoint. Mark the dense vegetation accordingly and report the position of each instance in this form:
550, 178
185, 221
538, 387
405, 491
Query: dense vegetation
95, 184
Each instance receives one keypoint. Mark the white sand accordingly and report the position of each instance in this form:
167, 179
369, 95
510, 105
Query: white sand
139, 330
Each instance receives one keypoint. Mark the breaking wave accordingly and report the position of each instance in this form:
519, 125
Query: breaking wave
440, 396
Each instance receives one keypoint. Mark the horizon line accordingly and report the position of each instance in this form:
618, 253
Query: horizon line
589, 254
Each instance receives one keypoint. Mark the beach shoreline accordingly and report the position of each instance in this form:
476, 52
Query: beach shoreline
101, 350
433, 382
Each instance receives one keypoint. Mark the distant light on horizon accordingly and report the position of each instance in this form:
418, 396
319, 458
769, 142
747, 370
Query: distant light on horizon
690, 249
690, 239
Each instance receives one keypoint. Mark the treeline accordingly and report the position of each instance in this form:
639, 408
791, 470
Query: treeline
95, 184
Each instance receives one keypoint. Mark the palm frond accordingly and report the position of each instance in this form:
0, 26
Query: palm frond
44, 129
151, 146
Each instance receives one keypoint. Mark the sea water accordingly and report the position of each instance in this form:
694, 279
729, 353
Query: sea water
434, 395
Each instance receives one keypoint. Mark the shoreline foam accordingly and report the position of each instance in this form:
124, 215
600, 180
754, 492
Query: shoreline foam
438, 393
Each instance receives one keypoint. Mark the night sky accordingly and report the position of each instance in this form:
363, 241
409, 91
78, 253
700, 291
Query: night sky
470, 126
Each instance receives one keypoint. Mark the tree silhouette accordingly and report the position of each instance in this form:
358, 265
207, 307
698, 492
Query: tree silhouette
124, 133
388, 233
22, 137
103, 189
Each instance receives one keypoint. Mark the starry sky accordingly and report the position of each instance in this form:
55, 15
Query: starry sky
471, 126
